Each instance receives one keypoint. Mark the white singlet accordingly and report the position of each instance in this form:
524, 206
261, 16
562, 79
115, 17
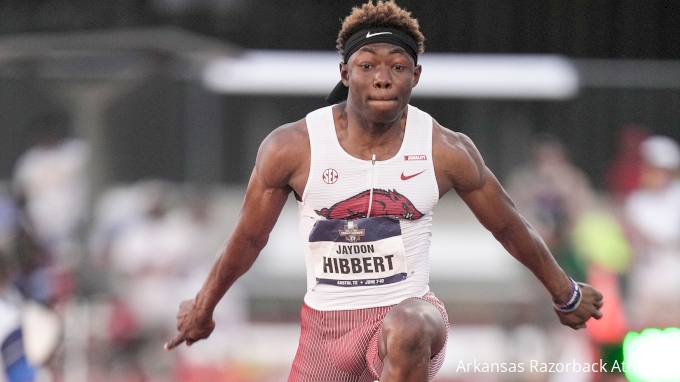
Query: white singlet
366, 225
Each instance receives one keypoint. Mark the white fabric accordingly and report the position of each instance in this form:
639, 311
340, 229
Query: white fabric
656, 216
335, 176
54, 180
10, 318
661, 152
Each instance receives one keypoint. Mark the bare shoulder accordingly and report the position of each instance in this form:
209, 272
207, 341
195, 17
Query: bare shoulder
283, 156
286, 138
457, 161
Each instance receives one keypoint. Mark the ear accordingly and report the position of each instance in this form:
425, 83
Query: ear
344, 74
416, 74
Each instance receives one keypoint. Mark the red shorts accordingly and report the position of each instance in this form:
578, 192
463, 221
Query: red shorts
342, 346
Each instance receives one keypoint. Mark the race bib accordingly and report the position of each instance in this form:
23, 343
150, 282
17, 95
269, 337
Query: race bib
361, 252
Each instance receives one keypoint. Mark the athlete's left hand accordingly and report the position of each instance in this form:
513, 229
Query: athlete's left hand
591, 302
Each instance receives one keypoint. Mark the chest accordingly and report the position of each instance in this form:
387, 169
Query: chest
404, 187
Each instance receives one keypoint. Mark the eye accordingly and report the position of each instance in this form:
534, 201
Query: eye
399, 67
365, 66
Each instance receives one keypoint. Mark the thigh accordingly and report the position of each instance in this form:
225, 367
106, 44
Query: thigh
333, 344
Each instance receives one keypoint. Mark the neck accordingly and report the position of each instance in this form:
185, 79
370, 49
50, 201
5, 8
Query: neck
362, 137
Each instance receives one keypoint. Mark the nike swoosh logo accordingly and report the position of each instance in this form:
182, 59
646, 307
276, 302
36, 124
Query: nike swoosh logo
407, 177
376, 34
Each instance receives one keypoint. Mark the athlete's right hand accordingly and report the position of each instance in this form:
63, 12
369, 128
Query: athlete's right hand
192, 324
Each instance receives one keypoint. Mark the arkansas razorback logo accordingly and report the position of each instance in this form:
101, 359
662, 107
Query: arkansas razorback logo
385, 203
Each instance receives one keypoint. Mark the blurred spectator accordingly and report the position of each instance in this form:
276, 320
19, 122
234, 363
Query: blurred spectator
116, 210
156, 241
653, 212
34, 276
13, 361
29, 271
623, 172
552, 194
599, 239
150, 254
585, 238
50, 179
50, 182
8, 219
600, 244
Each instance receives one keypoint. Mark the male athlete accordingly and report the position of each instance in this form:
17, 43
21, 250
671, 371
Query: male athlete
366, 173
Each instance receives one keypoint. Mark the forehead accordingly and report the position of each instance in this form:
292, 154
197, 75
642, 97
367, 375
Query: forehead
381, 48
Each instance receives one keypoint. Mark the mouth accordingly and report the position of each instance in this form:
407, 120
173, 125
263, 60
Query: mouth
379, 99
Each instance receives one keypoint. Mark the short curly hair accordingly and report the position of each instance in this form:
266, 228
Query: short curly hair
385, 13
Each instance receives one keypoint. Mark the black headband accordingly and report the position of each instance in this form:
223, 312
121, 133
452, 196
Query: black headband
372, 36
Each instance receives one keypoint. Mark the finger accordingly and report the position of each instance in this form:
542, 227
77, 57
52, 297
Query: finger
598, 314
174, 342
598, 295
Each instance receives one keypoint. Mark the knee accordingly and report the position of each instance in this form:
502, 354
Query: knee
413, 331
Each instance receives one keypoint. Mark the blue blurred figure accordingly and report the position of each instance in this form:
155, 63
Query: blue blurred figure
13, 360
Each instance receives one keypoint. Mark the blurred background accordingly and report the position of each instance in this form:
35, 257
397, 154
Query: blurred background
128, 130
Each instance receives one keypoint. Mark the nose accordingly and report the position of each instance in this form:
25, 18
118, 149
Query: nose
382, 79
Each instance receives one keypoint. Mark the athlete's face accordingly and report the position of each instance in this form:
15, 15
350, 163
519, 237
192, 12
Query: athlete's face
380, 78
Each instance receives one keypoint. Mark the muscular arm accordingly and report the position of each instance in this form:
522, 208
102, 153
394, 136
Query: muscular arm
494, 209
279, 168
261, 208
459, 166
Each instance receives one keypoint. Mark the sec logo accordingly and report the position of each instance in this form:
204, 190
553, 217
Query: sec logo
330, 176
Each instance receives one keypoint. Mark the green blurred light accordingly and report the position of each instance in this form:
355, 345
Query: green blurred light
652, 355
